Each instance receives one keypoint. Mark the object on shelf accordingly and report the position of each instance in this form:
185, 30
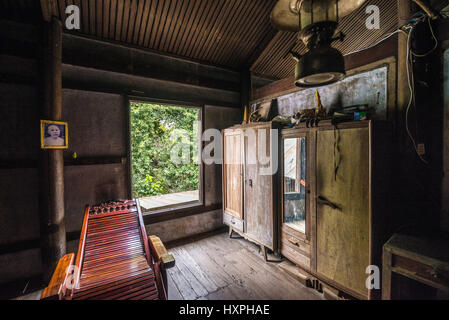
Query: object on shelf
312, 116
360, 116
283, 120
245, 115
260, 112
264, 112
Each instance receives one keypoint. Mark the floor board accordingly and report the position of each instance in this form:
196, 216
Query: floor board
220, 268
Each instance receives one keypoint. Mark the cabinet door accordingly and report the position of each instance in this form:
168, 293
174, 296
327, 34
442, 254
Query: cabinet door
259, 220
233, 173
343, 207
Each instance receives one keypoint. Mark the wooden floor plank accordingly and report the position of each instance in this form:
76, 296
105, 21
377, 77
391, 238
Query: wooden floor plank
183, 285
202, 275
236, 270
173, 292
222, 267
226, 293
211, 268
183, 269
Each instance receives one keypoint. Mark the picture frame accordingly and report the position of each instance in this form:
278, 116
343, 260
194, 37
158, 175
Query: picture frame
262, 111
54, 135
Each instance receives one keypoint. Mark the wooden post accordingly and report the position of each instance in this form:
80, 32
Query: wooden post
52, 215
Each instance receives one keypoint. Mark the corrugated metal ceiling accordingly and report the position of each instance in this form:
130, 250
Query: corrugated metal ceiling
229, 33
220, 32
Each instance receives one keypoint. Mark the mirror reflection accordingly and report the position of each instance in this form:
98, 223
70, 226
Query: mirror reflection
295, 183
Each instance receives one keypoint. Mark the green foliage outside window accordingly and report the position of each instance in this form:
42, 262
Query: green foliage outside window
152, 141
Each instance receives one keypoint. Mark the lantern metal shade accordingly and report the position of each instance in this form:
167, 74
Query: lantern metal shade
285, 14
320, 66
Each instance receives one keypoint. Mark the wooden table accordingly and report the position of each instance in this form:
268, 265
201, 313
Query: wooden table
425, 260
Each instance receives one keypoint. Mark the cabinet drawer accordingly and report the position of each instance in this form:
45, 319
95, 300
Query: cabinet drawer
232, 221
295, 256
296, 243
296, 250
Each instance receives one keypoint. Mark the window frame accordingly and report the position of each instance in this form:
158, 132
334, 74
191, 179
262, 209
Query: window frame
182, 209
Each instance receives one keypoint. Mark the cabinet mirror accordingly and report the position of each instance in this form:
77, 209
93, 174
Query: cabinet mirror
295, 183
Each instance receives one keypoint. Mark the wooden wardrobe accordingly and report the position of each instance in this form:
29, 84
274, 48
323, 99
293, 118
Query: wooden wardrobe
250, 182
335, 201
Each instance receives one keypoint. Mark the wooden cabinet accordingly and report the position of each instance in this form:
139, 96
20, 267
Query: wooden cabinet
335, 184
250, 173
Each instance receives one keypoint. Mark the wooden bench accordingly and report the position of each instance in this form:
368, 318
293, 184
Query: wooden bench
116, 259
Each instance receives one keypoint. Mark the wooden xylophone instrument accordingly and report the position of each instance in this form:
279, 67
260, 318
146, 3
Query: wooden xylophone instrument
115, 261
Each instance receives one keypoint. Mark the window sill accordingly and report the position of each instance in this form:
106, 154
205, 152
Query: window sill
180, 211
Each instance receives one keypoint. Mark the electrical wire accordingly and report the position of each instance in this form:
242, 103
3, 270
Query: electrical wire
411, 86
434, 38
378, 42
416, 18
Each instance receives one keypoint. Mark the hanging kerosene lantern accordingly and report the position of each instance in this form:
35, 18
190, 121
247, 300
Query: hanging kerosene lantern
316, 21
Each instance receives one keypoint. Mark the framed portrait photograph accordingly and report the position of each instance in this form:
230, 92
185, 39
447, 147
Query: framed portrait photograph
54, 135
